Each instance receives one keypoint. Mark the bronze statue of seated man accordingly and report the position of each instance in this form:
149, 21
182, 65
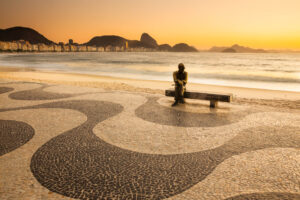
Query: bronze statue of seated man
180, 78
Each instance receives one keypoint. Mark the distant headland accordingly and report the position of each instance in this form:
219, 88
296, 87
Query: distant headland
22, 39
237, 49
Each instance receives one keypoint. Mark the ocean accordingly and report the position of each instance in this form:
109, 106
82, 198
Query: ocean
275, 71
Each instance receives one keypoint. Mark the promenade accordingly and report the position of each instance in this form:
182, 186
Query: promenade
63, 142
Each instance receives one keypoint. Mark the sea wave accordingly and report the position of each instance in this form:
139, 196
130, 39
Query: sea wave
282, 70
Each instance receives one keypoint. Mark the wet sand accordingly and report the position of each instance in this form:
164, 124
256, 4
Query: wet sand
148, 86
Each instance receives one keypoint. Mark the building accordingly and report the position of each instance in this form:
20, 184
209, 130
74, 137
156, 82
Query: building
13, 46
28, 46
82, 48
108, 48
66, 48
117, 48
4, 46
57, 48
100, 49
73, 48
20, 45
51, 48
42, 47
34, 47
91, 48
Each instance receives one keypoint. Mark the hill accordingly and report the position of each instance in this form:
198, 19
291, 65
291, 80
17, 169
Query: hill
106, 40
229, 50
182, 47
237, 48
164, 47
148, 41
23, 33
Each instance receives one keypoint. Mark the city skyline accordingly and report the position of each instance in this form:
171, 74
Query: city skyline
259, 24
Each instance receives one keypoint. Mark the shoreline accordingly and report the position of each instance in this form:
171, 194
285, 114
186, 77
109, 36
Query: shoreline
231, 72
241, 95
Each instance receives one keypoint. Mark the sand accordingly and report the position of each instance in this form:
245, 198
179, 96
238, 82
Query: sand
273, 98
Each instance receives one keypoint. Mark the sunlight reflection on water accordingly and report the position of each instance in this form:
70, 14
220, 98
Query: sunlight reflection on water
267, 71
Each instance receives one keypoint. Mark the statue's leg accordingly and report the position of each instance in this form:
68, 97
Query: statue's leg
181, 92
177, 93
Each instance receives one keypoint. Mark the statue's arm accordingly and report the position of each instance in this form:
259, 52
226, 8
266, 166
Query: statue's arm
175, 77
186, 78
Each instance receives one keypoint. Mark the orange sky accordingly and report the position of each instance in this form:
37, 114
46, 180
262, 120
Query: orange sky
270, 24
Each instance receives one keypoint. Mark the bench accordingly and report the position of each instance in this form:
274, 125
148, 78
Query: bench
213, 98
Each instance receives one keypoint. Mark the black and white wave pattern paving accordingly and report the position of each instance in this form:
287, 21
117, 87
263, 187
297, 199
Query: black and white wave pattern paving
80, 165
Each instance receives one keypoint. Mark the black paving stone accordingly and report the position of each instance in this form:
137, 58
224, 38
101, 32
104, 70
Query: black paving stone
5, 90
13, 134
38, 94
154, 112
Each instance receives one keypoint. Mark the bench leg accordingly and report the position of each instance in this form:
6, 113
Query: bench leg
213, 104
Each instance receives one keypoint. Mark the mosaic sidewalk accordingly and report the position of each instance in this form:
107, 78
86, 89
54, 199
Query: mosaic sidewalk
64, 142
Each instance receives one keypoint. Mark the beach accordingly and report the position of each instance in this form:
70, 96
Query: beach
90, 136
149, 100
271, 98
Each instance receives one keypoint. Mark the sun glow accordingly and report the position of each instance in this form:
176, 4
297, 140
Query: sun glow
270, 24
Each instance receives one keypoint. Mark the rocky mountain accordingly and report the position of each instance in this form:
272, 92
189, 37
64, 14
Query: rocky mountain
164, 47
136, 44
106, 40
229, 50
145, 42
237, 49
242, 49
149, 41
23, 33
182, 47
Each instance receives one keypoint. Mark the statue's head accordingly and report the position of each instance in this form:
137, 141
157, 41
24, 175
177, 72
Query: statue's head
181, 67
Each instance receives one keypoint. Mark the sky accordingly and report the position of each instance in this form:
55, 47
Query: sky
269, 24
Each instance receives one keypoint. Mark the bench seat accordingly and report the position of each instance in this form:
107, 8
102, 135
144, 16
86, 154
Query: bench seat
214, 98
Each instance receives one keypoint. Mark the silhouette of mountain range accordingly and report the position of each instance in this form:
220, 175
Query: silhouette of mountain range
146, 41
236, 49
182, 47
23, 33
